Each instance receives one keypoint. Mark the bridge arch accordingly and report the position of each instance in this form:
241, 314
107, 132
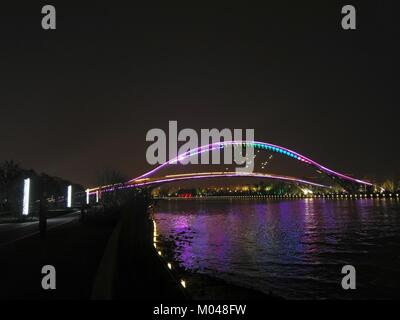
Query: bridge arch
206, 175
257, 145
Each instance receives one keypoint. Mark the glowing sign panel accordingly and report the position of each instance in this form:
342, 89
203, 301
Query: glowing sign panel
69, 199
87, 196
25, 205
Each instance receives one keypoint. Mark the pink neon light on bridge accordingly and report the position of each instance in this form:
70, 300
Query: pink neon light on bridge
219, 145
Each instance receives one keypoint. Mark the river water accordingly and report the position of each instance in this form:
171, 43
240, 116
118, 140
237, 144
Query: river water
293, 248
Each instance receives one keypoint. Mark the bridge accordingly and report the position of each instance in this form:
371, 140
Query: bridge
131, 238
149, 179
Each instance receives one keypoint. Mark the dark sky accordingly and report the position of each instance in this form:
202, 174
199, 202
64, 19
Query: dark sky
82, 97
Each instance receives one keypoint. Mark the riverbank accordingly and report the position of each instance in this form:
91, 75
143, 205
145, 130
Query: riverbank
205, 287
130, 267
342, 195
201, 286
296, 248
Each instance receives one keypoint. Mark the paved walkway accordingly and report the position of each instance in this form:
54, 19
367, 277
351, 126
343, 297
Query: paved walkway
118, 263
73, 248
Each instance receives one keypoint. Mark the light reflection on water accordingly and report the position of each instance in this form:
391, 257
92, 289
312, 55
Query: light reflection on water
296, 248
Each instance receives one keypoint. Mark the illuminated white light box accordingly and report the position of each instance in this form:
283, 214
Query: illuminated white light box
25, 204
87, 196
69, 199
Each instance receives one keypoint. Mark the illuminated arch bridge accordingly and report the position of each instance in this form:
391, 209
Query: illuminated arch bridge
148, 179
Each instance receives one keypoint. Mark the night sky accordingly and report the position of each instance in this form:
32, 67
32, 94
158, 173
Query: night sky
82, 97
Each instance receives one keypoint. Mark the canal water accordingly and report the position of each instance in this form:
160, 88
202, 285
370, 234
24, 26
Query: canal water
293, 248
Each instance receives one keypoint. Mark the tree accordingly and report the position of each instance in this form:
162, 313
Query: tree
389, 185
9, 171
12, 180
110, 176
10, 175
